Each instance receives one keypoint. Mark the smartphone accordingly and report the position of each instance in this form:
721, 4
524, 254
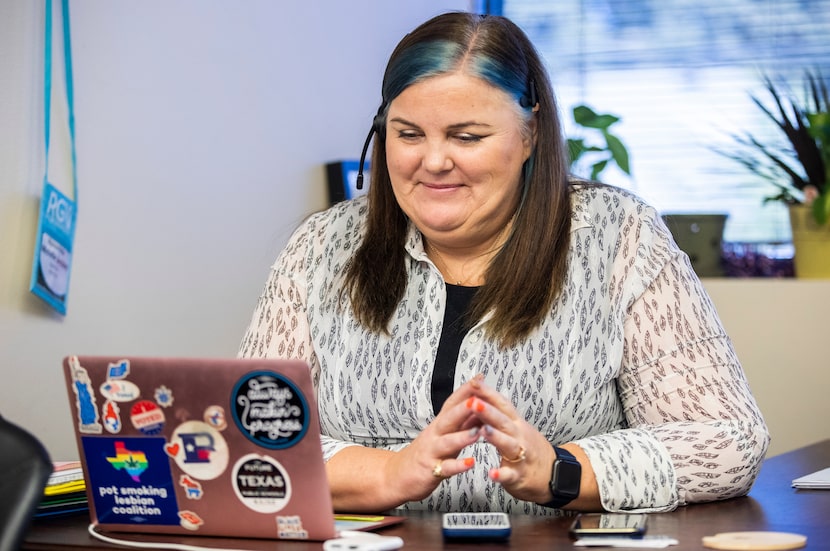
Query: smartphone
483, 526
632, 525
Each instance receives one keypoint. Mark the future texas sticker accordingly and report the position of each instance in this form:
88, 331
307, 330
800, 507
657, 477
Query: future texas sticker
131, 480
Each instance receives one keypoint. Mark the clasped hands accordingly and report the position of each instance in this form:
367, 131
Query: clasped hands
477, 412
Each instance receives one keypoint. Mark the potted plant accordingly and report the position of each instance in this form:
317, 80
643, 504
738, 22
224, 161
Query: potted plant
699, 235
605, 148
799, 169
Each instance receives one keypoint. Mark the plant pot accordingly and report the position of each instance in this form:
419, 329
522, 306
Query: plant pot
701, 237
812, 244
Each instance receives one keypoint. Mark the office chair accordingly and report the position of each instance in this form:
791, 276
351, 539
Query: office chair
24, 469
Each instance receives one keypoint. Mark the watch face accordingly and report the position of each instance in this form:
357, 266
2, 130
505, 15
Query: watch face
566, 478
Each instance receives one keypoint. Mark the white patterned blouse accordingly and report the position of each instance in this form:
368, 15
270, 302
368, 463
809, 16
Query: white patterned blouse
631, 363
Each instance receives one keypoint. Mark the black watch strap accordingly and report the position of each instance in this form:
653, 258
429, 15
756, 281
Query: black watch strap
565, 478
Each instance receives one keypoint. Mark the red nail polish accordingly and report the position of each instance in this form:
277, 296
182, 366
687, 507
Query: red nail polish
494, 474
470, 401
469, 461
479, 406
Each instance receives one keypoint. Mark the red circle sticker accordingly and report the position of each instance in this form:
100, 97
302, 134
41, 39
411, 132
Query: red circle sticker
147, 417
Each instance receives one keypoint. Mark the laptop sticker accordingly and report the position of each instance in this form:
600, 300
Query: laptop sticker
118, 370
261, 483
199, 450
291, 527
147, 417
120, 391
112, 417
164, 396
192, 488
88, 420
131, 480
190, 520
215, 417
270, 410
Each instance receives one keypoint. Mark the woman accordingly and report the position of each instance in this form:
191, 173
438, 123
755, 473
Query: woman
485, 334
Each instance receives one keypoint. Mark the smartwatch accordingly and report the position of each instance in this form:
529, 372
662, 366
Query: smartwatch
564, 479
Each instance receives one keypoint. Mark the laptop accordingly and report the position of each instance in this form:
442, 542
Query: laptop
215, 447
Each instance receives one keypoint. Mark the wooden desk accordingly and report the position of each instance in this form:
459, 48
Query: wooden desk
771, 505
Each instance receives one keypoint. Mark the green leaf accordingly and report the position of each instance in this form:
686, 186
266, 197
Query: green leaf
597, 168
805, 125
618, 152
585, 116
576, 147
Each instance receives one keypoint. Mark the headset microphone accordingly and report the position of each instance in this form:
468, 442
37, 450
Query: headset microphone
359, 183
377, 126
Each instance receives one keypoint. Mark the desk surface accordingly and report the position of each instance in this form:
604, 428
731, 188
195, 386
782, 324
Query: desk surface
771, 505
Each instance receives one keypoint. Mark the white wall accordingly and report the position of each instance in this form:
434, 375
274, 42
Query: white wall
202, 131
781, 332
203, 127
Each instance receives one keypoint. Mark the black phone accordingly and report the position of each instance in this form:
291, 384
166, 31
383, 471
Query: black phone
632, 525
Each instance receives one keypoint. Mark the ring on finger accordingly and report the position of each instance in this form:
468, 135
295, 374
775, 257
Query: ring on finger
437, 471
519, 458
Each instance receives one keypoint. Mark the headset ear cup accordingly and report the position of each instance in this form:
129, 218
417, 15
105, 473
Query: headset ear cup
531, 98
379, 124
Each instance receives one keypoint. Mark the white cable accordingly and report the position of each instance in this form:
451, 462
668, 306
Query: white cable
359, 536
154, 545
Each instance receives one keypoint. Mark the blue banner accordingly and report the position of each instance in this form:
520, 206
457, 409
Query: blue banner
52, 262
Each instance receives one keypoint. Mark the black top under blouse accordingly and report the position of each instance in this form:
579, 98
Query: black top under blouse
443, 376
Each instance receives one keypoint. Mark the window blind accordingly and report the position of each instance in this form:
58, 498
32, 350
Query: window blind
679, 73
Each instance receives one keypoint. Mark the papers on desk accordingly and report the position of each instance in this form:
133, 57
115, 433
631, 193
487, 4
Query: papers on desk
816, 481
65, 491
646, 542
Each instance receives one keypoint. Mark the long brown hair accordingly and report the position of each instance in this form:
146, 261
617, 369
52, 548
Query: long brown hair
528, 273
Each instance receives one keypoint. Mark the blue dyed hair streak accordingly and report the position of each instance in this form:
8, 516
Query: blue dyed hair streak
427, 59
